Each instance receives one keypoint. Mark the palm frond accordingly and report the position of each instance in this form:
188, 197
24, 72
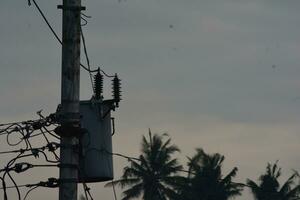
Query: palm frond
255, 189
133, 192
123, 182
294, 193
230, 176
287, 185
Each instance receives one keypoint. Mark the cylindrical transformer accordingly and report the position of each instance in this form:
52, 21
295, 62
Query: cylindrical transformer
96, 163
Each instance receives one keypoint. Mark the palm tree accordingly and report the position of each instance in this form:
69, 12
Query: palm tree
205, 180
269, 188
154, 174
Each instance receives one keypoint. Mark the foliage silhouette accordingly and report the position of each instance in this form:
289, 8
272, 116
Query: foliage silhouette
269, 188
205, 180
155, 174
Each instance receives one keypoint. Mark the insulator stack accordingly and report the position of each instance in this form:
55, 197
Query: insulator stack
117, 90
98, 85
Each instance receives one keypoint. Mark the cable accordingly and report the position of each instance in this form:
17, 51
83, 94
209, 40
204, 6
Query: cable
13, 187
85, 192
60, 41
55, 34
114, 190
30, 190
48, 131
89, 193
85, 21
52, 134
86, 16
46, 20
109, 76
56, 146
83, 17
4, 189
124, 156
114, 154
15, 184
87, 57
48, 142
19, 122
15, 144
86, 69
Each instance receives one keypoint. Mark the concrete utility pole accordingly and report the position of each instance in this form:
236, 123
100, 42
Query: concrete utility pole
69, 114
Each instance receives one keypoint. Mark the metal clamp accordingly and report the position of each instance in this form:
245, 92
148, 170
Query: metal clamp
70, 166
72, 8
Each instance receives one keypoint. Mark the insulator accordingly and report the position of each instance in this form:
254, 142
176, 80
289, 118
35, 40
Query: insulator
98, 85
117, 90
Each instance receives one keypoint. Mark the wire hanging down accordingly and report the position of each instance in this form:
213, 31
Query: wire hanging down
27, 130
87, 57
22, 137
57, 37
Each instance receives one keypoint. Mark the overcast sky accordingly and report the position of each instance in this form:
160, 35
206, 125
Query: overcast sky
217, 74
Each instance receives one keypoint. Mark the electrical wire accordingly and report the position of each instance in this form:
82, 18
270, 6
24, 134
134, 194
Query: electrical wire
85, 192
48, 142
26, 132
84, 20
13, 151
13, 187
124, 156
17, 143
83, 17
60, 41
55, 34
107, 75
19, 168
33, 149
46, 20
4, 189
49, 131
15, 184
19, 122
114, 190
89, 193
87, 57
30, 190
86, 16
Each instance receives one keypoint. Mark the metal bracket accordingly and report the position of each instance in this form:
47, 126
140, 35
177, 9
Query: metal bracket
73, 166
113, 125
72, 8
69, 131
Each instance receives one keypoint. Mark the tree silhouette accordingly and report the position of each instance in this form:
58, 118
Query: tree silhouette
155, 174
205, 180
269, 188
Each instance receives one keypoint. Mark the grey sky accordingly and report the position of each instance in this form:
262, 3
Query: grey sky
199, 70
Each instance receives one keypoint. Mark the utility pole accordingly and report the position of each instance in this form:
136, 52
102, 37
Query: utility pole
69, 113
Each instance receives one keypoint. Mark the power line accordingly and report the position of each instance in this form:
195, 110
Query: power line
59, 40
46, 20
114, 190
87, 57
30, 190
87, 191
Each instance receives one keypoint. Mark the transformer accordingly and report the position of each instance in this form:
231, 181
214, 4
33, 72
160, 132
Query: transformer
96, 162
